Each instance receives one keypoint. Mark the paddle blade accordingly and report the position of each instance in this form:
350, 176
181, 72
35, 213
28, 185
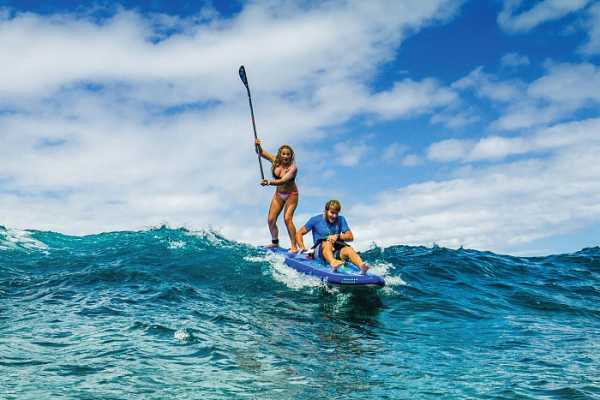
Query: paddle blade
243, 75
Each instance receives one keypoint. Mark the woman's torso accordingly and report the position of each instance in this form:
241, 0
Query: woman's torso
289, 186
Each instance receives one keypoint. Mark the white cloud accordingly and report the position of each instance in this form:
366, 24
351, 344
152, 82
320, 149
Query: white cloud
526, 114
500, 206
513, 19
113, 125
349, 154
269, 37
495, 147
393, 151
566, 135
514, 60
564, 89
558, 94
449, 150
592, 46
411, 160
572, 85
408, 98
456, 117
486, 86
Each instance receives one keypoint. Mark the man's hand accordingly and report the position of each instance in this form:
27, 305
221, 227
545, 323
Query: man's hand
332, 238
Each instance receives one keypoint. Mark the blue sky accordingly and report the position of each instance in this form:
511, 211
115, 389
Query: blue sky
461, 123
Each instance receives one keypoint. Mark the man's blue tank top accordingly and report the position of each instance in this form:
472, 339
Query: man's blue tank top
321, 228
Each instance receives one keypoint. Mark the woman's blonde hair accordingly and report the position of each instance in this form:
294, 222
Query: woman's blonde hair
277, 161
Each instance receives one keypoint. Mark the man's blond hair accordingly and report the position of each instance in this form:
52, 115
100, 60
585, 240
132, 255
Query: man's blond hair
334, 205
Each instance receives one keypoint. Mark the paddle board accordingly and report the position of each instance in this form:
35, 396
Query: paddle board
346, 275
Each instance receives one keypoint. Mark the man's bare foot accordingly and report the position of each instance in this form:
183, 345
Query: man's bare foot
335, 264
364, 268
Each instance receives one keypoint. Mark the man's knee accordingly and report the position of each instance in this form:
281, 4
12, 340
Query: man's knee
347, 251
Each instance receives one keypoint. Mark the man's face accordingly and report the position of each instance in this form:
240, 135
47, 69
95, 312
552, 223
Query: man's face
331, 214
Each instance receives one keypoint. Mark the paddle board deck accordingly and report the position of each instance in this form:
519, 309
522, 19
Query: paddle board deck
347, 275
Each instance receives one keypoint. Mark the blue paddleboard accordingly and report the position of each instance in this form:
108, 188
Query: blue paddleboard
347, 274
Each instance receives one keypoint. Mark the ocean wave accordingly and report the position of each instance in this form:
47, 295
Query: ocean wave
182, 306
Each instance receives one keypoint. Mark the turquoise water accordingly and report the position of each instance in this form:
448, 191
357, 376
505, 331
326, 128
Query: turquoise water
168, 313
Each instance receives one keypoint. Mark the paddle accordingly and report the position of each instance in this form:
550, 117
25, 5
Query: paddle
244, 79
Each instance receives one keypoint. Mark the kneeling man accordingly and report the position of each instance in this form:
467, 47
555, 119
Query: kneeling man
330, 233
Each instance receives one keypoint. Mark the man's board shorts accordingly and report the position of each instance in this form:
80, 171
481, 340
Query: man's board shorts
337, 248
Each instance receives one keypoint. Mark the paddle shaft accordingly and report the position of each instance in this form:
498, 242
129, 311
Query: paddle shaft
245, 81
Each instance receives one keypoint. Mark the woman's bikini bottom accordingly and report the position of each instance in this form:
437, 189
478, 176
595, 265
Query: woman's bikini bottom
285, 195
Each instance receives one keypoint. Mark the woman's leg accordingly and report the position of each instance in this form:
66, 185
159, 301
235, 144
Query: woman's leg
288, 217
274, 211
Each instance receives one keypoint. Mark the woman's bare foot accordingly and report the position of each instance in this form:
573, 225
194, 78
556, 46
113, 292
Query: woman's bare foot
293, 249
274, 243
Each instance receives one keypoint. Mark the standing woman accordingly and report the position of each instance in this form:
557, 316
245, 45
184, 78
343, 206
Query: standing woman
286, 195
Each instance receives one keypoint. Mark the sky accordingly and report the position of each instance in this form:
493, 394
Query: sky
434, 122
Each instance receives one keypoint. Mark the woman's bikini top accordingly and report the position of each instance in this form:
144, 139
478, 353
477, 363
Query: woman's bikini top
293, 180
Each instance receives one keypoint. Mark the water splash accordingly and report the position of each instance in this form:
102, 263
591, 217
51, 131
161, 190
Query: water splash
282, 273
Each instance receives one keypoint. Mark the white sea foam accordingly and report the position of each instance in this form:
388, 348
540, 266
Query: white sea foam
15, 238
297, 280
210, 235
284, 274
255, 259
176, 244
181, 334
385, 270
341, 301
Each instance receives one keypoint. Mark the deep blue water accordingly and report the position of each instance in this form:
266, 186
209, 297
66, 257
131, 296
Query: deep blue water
167, 313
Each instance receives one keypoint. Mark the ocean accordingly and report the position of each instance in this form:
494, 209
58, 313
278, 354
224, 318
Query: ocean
169, 313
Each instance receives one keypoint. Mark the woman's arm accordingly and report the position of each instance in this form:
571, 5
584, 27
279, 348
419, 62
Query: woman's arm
263, 153
291, 174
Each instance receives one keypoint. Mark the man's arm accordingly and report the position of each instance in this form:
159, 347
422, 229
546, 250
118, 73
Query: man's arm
347, 236
299, 237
